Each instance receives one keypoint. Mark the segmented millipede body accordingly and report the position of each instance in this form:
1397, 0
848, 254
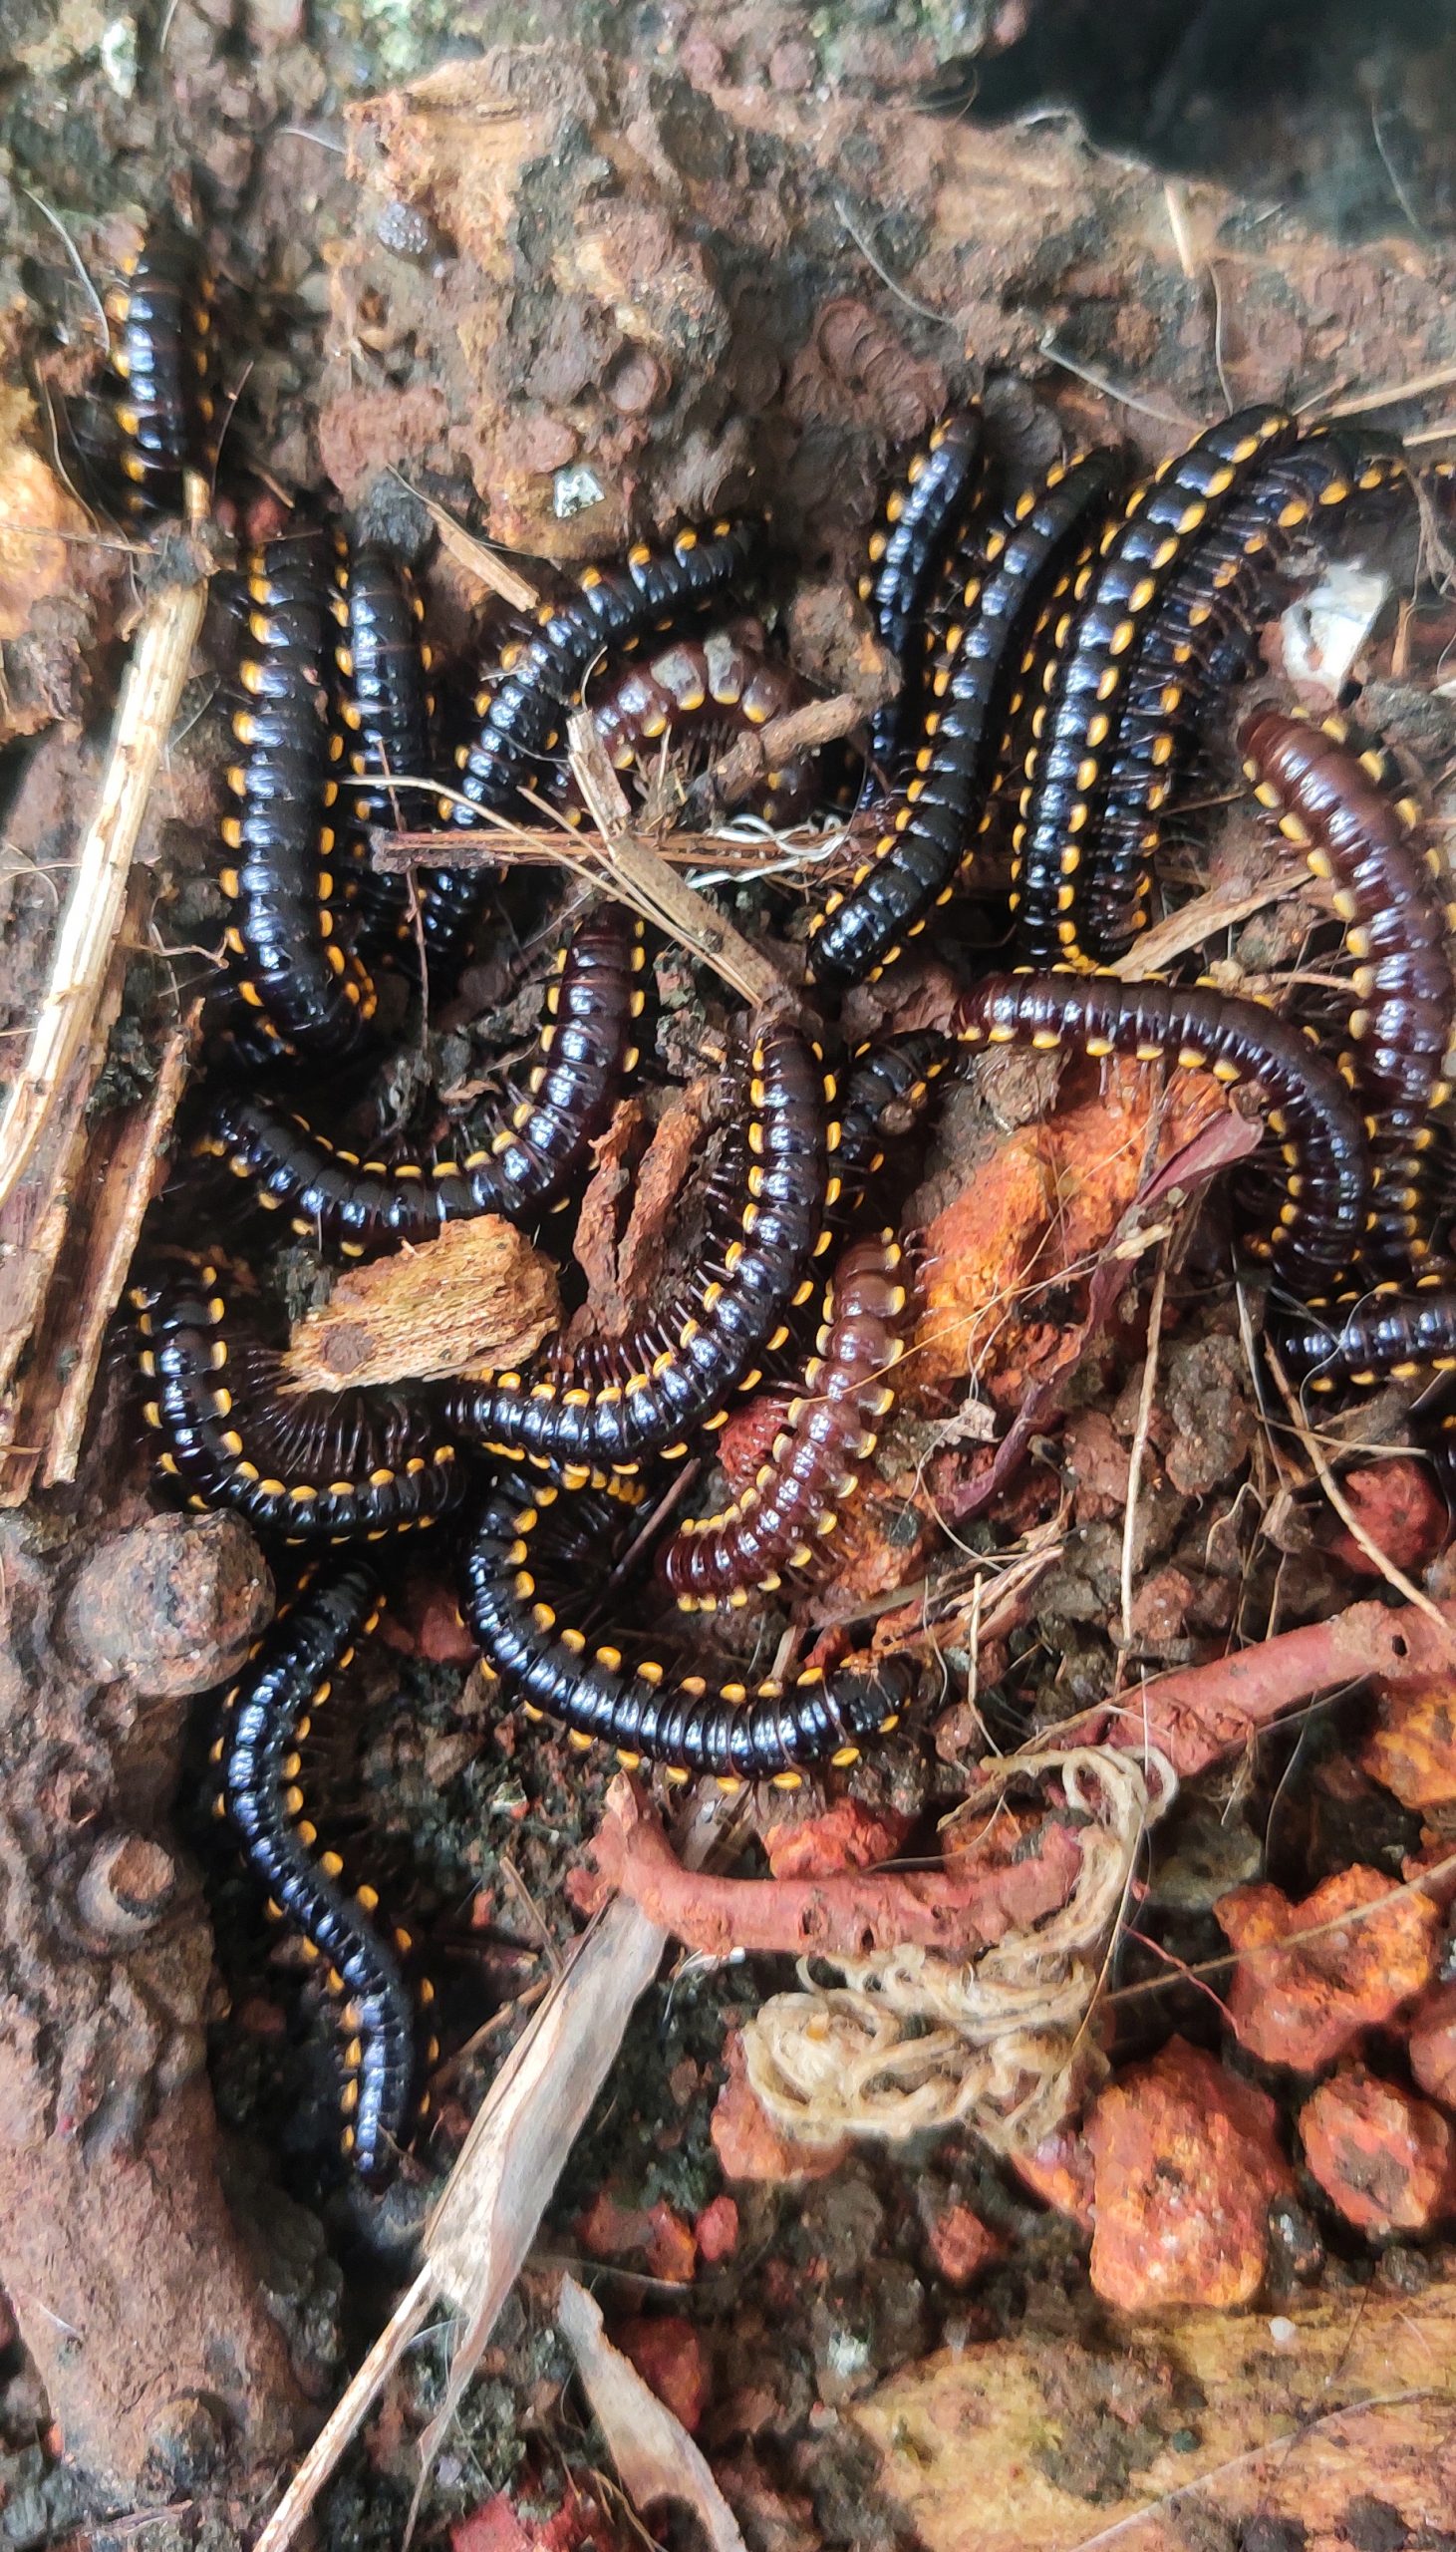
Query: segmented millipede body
884, 1092
909, 551
266, 1717
1340, 799
1076, 721
386, 704
1199, 642
351, 1207
307, 994
160, 320
930, 826
312, 1465
704, 687
1383, 1336
830, 1433
522, 707
611, 1403
1322, 1219
532, 1542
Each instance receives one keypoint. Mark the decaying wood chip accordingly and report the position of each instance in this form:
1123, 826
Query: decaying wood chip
477, 1299
130, 1152
655, 2456
151, 690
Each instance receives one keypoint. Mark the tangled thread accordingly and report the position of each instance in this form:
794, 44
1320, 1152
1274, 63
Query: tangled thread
910, 2042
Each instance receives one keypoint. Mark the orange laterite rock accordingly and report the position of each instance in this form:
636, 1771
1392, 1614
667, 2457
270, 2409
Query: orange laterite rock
1414, 1751
1387, 2159
961, 2246
1186, 2165
1401, 1509
716, 2231
667, 2353
1306, 1982
1432, 2043
1061, 2174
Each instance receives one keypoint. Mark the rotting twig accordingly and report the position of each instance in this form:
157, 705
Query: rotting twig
761, 749
1197, 921
1199, 1714
1360, 401
957, 1908
126, 1194
151, 689
1138, 1452
655, 2456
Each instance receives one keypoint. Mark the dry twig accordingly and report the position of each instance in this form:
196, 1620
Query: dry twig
634, 871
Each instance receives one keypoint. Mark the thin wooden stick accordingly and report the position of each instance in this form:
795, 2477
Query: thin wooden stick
1361, 401
1202, 919
798, 730
166, 638
478, 557
634, 871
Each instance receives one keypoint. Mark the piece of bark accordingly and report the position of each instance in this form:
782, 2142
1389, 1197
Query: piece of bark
477, 1299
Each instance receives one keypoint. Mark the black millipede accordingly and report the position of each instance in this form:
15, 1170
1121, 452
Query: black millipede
1199, 642
831, 1429
1322, 1219
1078, 719
312, 1465
921, 848
386, 704
266, 1717
522, 707
283, 945
611, 1403
1383, 1336
160, 320
908, 552
1340, 799
531, 1543
517, 1168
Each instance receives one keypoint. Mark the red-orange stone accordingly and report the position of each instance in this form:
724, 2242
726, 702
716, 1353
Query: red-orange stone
1387, 2159
961, 2245
672, 2252
667, 2353
1186, 2165
1414, 1751
1059, 2173
1306, 1983
1401, 1509
1432, 2043
716, 2230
